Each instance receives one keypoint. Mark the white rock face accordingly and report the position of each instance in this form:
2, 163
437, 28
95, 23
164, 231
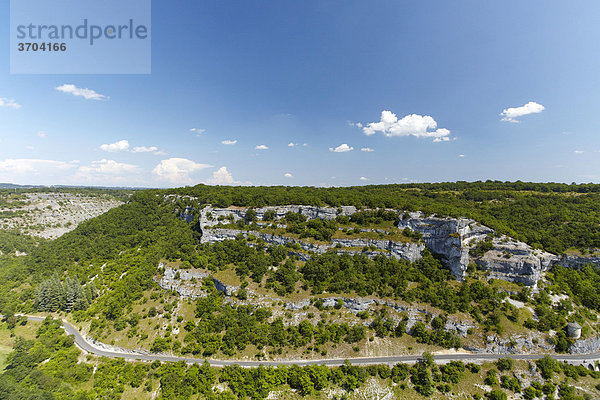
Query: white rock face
183, 284
209, 217
515, 261
585, 346
51, 215
450, 238
578, 261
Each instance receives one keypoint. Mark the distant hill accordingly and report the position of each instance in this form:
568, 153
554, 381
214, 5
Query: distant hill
15, 186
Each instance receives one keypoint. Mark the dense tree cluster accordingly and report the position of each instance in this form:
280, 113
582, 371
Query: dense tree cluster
230, 329
54, 295
582, 285
545, 215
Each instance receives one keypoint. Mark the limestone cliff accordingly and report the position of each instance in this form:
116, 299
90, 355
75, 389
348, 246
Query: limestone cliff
448, 237
453, 239
210, 217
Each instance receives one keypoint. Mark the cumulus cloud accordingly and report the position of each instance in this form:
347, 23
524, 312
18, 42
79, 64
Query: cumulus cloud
461, 155
288, 175
261, 147
410, 125
87, 94
9, 103
292, 144
42, 134
342, 148
198, 131
367, 149
579, 151
511, 114
121, 145
177, 170
222, 177
362, 178
21, 166
229, 142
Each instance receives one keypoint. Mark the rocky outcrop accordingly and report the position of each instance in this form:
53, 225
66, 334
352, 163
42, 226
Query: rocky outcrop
228, 290
515, 261
188, 283
188, 214
460, 327
448, 237
577, 262
453, 238
399, 250
407, 251
585, 346
182, 281
210, 216
515, 344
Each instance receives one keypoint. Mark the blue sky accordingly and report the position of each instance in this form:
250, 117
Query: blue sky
319, 75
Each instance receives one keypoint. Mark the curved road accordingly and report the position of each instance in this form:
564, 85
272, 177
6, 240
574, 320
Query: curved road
83, 344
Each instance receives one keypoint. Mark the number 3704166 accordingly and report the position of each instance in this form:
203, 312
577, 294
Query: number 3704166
42, 47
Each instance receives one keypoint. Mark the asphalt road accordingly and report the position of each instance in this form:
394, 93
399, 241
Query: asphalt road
83, 344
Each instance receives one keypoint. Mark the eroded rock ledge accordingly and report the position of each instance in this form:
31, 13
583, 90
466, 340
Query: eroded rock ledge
450, 238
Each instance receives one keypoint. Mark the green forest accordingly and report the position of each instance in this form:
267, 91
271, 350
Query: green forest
99, 272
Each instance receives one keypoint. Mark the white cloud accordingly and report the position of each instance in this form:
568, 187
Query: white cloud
222, 177
362, 178
411, 125
88, 94
144, 149
288, 175
42, 134
22, 166
443, 138
108, 167
579, 151
9, 103
292, 144
229, 142
177, 170
367, 149
121, 145
461, 155
108, 172
261, 147
304, 144
151, 149
342, 148
511, 114
198, 131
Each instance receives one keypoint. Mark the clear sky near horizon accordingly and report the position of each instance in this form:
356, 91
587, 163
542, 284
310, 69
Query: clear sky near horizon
322, 93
